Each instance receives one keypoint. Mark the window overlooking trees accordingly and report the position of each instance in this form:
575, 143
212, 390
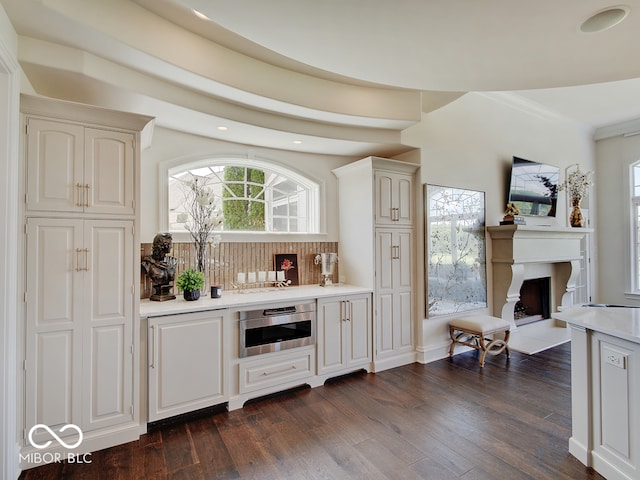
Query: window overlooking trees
254, 196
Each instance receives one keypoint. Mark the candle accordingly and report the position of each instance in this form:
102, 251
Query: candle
241, 277
280, 275
251, 277
271, 276
262, 276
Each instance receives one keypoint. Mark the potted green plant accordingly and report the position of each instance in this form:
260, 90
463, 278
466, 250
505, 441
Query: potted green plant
190, 282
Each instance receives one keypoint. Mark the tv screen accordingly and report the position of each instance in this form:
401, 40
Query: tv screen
534, 187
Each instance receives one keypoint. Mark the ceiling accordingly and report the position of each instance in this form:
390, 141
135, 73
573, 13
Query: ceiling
336, 77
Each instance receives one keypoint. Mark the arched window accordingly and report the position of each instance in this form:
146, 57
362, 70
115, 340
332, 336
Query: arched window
635, 226
253, 195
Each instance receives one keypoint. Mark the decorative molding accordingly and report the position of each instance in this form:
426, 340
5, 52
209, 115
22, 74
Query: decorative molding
629, 128
527, 252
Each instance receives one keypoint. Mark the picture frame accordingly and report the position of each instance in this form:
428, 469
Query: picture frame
289, 263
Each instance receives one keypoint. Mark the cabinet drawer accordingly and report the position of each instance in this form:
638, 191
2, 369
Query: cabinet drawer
265, 373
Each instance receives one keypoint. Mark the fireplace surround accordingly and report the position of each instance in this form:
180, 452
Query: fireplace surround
523, 252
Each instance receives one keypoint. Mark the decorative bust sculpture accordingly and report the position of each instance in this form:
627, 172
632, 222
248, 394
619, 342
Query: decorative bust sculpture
161, 268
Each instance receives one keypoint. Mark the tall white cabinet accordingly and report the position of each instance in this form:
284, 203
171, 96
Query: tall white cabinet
377, 199
81, 280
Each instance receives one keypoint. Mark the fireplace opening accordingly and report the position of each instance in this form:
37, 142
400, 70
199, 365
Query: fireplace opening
534, 303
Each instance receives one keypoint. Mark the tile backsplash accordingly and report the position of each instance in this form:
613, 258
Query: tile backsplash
227, 259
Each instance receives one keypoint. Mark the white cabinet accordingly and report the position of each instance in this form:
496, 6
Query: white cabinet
615, 398
393, 198
186, 363
72, 168
275, 371
79, 328
394, 299
81, 335
378, 208
344, 334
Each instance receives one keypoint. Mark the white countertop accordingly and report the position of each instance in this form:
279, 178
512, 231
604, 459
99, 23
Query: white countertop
619, 322
258, 296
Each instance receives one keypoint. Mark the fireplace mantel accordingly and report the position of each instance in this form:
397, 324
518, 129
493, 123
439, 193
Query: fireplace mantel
521, 252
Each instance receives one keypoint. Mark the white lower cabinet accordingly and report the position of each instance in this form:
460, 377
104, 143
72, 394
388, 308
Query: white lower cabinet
186, 363
276, 369
344, 334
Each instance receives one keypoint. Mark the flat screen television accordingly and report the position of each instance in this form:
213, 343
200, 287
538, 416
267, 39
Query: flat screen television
534, 187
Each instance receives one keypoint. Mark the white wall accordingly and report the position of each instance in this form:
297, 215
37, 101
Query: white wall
470, 144
613, 158
172, 146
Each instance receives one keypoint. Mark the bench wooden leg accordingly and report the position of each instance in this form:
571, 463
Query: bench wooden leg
479, 342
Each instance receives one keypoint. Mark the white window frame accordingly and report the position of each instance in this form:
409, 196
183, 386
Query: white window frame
315, 205
634, 238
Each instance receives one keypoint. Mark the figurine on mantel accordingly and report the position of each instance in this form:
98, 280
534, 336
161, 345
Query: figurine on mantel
161, 268
512, 215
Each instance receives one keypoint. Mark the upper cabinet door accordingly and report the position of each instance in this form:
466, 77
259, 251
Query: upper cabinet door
108, 172
55, 178
71, 168
393, 198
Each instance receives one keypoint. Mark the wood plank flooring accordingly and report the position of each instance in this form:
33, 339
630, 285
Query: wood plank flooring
445, 420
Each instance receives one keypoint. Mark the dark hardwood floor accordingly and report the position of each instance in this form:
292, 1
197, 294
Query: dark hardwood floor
445, 420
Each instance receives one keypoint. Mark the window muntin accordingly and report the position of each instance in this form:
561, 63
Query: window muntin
255, 196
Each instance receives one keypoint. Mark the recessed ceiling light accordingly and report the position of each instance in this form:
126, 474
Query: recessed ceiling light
605, 19
297, 142
200, 14
222, 128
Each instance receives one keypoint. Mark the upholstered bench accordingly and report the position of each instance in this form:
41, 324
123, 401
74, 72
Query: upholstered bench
474, 331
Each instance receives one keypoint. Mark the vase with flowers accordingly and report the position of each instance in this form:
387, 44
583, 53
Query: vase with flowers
577, 185
202, 218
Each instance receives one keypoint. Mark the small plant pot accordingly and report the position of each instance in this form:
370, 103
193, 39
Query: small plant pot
190, 295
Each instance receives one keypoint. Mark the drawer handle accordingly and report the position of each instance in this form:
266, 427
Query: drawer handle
86, 199
266, 374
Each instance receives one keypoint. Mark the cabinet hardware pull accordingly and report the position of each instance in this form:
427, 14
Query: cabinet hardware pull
346, 310
86, 259
266, 374
86, 199
153, 346
395, 252
79, 193
78, 250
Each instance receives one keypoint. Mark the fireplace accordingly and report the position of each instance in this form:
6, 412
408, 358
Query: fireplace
523, 253
534, 300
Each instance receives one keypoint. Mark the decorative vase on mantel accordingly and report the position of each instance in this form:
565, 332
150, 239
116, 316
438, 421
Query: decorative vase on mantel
576, 219
202, 263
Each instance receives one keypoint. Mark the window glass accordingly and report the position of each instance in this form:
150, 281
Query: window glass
253, 196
